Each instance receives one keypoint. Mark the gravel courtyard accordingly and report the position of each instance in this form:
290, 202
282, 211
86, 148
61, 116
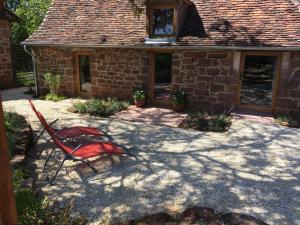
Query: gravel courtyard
252, 169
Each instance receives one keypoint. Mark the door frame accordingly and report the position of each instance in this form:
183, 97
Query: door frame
275, 82
152, 99
77, 73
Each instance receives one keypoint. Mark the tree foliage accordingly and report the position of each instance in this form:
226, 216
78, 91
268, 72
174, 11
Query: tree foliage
31, 12
137, 6
12, 5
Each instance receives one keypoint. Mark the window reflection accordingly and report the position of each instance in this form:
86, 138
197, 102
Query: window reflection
85, 73
163, 22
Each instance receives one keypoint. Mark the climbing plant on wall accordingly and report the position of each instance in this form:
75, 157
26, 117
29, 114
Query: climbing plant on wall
137, 6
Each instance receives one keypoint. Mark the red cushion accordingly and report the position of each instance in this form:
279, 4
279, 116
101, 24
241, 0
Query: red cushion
78, 131
92, 149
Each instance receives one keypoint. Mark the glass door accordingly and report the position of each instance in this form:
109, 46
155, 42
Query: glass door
162, 76
84, 85
258, 79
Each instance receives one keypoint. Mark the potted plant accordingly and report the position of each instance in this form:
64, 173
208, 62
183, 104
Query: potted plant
139, 98
178, 99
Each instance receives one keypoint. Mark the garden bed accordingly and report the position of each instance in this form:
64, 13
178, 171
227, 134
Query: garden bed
19, 134
102, 107
288, 121
203, 121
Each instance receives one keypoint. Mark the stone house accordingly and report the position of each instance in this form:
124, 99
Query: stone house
6, 70
224, 54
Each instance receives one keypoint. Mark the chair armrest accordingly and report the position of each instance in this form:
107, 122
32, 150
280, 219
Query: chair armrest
71, 153
53, 122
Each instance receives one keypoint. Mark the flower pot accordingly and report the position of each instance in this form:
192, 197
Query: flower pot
139, 102
178, 108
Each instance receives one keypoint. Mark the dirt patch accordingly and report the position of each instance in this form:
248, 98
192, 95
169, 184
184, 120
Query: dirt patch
23, 142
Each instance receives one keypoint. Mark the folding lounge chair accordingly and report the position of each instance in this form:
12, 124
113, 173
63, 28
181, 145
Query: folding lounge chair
83, 152
66, 133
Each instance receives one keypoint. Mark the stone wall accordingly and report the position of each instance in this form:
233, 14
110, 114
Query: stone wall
114, 72
210, 78
288, 95
6, 72
117, 72
56, 61
207, 77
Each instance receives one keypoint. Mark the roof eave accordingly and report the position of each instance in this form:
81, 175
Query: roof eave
188, 47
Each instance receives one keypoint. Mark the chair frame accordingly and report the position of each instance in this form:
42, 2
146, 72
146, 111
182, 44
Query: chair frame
66, 158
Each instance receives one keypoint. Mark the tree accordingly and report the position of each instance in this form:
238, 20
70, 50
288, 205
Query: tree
12, 5
32, 13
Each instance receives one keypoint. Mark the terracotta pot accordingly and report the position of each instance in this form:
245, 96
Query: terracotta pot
178, 108
139, 102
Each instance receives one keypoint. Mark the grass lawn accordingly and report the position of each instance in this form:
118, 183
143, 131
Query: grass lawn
25, 78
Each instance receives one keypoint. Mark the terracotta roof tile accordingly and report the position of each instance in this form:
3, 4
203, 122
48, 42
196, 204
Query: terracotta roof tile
208, 23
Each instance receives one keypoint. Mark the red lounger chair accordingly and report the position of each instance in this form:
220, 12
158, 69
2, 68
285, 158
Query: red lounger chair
65, 133
83, 152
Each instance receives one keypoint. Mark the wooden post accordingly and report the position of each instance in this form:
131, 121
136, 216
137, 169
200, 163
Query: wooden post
8, 209
1, 5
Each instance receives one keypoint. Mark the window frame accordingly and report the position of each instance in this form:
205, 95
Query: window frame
150, 19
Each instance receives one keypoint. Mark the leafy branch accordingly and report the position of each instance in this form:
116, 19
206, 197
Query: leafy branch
137, 8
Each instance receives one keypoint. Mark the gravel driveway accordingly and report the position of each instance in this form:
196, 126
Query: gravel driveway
252, 169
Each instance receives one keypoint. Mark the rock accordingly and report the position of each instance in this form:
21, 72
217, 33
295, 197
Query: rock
240, 219
17, 161
27, 183
72, 109
199, 213
156, 219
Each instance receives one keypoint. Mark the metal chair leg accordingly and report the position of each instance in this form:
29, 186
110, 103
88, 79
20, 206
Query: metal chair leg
60, 166
40, 135
47, 160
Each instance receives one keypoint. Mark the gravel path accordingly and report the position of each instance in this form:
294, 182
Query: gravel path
252, 169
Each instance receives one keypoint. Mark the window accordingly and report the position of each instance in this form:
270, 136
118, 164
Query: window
162, 21
163, 75
84, 73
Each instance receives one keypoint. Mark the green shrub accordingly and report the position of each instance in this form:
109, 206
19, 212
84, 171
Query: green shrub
54, 83
178, 98
101, 107
204, 121
287, 120
139, 94
31, 210
35, 210
54, 98
17, 177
